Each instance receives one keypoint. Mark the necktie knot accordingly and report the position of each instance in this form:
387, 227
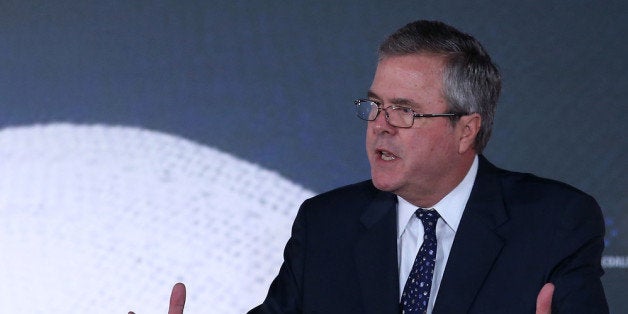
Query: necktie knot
428, 217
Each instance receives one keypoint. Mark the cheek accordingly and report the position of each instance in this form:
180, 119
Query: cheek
431, 145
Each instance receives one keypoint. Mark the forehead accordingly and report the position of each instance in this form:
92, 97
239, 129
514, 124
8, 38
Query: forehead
417, 78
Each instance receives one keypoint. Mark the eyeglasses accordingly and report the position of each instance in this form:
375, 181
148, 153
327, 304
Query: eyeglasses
397, 116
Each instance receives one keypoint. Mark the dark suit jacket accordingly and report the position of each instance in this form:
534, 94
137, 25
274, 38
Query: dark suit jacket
517, 233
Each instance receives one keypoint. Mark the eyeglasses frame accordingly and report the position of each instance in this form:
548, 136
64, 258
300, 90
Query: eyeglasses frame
415, 115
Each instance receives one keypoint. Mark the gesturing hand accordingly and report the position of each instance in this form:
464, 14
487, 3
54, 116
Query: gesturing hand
544, 299
177, 299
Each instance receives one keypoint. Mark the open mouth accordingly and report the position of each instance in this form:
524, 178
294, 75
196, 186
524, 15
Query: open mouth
386, 155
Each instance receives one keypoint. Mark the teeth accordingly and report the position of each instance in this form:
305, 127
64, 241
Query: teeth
387, 156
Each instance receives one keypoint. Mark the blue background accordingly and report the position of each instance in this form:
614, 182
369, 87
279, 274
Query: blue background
273, 82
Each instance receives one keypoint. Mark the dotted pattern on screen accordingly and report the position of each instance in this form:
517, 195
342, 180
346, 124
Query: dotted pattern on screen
105, 219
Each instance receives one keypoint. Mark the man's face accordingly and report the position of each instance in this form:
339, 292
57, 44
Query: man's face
423, 161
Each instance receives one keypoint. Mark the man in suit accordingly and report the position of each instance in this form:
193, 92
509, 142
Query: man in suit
501, 236
498, 241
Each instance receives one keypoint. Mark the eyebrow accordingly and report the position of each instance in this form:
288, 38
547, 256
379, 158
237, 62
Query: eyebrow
395, 101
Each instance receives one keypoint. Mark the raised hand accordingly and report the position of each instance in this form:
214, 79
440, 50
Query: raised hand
177, 299
544, 299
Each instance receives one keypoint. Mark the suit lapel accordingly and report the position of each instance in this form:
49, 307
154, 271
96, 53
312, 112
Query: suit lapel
376, 256
476, 245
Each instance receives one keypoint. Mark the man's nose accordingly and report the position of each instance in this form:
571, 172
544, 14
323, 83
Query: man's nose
380, 124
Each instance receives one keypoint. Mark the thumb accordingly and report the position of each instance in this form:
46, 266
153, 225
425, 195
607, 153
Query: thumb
544, 299
177, 299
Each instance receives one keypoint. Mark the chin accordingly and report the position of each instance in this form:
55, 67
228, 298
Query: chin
383, 184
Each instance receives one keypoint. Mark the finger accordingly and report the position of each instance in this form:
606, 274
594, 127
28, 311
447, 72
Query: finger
544, 299
177, 299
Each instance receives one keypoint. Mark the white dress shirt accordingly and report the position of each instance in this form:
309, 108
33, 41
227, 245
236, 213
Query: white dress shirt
410, 231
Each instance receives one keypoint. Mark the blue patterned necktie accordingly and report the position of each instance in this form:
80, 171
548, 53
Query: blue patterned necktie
416, 292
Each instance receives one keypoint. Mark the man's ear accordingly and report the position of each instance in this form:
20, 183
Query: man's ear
468, 127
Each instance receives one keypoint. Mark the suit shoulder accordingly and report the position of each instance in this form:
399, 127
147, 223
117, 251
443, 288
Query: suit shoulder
346, 200
527, 183
533, 185
364, 189
559, 204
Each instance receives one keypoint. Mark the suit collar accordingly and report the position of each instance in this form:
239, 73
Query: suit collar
376, 255
381, 205
476, 245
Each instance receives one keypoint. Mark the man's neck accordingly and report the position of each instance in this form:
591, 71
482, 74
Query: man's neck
430, 197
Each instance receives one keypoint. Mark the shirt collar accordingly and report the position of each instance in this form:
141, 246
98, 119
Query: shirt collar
450, 207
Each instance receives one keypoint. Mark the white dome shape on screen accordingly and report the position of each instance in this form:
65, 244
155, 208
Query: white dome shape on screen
105, 219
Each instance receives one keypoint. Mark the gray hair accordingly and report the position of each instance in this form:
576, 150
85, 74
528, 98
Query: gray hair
471, 82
